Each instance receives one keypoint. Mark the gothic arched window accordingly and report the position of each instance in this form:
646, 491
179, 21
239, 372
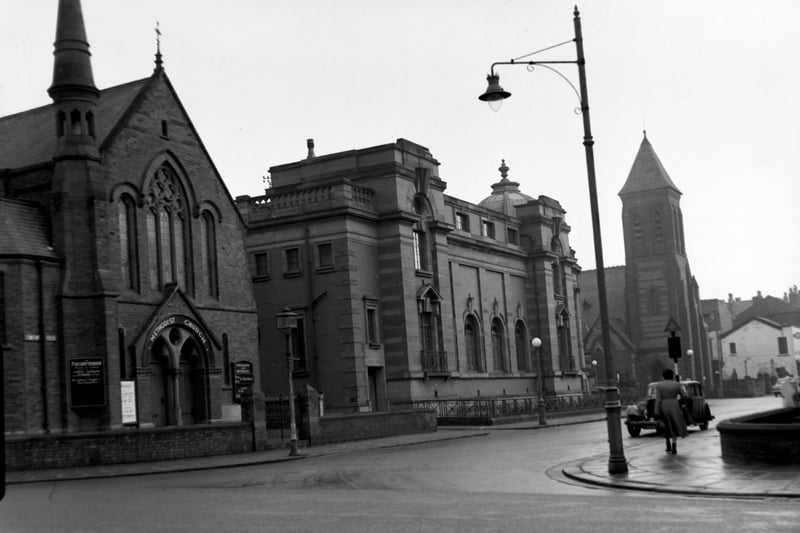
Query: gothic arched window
126, 215
638, 235
208, 255
658, 227
472, 340
167, 228
498, 345
520, 338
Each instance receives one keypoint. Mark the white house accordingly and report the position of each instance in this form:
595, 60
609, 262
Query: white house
760, 346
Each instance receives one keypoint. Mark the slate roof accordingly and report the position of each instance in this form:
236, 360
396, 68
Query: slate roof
647, 172
28, 138
24, 230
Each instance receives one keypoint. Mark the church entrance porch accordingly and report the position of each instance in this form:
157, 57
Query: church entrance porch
177, 374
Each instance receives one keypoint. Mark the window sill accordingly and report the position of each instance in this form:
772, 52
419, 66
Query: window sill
297, 274
324, 270
264, 277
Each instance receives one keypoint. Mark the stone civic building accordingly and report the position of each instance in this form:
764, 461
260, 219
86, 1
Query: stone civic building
124, 292
404, 293
654, 294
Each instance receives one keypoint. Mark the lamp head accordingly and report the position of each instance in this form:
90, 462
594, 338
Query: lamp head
536, 342
494, 94
286, 321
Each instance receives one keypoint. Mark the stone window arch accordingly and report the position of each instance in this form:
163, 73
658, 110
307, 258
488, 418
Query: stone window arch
208, 255
128, 248
521, 344
167, 225
497, 331
472, 341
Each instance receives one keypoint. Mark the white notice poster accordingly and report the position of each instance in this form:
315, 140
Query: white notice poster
128, 396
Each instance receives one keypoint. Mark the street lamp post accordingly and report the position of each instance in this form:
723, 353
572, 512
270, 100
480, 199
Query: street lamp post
494, 95
286, 322
536, 342
690, 361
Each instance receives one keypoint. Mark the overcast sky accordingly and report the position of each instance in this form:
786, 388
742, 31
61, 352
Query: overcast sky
714, 83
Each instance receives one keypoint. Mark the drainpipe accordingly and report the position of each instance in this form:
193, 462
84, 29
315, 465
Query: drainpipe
42, 349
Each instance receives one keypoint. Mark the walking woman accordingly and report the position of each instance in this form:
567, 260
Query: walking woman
669, 410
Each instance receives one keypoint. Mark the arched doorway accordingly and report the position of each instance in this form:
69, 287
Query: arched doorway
179, 388
159, 384
192, 384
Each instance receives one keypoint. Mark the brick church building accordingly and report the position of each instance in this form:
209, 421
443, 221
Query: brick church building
405, 294
125, 301
654, 294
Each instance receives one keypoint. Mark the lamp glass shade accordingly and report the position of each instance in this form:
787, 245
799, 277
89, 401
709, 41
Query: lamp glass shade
536, 342
494, 94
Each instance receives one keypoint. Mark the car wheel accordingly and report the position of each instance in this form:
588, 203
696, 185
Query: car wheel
634, 431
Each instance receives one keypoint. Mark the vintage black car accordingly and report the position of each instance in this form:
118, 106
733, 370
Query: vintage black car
695, 410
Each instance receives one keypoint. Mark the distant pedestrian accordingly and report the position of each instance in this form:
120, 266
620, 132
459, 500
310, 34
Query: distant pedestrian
669, 410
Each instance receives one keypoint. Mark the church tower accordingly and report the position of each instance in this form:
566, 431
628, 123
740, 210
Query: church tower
661, 293
79, 208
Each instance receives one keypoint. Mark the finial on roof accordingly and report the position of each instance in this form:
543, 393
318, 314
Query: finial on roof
159, 62
503, 169
310, 146
645, 133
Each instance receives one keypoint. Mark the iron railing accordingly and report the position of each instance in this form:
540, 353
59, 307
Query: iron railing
514, 405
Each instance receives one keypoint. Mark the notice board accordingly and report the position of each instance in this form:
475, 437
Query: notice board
87, 379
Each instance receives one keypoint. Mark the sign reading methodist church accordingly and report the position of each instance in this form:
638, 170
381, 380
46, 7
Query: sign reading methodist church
181, 321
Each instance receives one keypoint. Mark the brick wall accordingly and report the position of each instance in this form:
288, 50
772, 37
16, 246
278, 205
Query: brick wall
771, 437
110, 447
341, 428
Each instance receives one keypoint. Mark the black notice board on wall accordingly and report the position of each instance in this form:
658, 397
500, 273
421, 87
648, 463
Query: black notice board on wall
87, 379
242, 377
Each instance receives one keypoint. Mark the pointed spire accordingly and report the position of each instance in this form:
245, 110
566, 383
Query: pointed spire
72, 66
159, 62
647, 172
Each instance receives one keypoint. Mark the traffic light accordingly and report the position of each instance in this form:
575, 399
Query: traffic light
674, 347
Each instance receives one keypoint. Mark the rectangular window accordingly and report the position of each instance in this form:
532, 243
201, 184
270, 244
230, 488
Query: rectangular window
732, 347
325, 256
291, 261
261, 264
371, 317
487, 229
462, 222
783, 346
420, 251
513, 236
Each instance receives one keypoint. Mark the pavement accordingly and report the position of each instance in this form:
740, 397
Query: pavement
697, 468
